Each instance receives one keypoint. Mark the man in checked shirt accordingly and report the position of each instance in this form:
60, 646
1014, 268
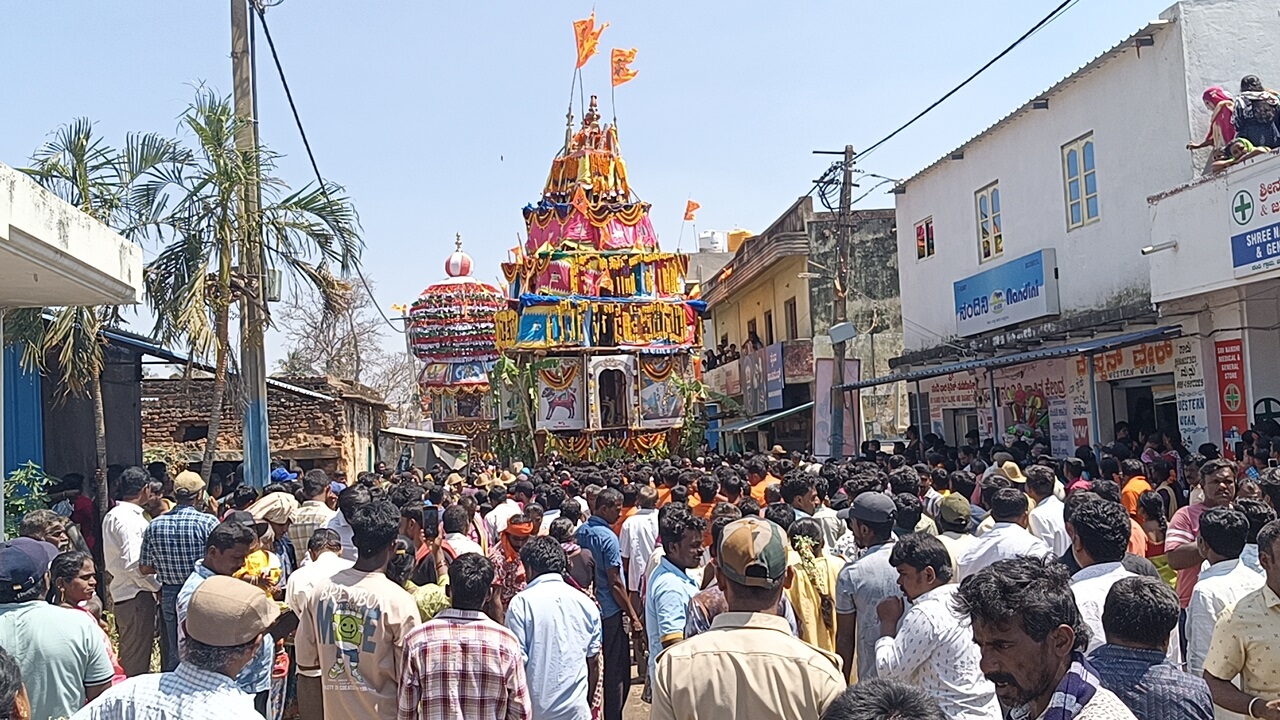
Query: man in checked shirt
461, 665
171, 546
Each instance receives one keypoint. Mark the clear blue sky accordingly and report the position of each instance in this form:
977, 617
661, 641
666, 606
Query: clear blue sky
443, 117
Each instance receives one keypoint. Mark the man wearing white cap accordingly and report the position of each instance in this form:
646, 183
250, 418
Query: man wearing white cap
224, 626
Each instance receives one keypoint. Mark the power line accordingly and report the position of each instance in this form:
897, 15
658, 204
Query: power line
297, 119
1057, 11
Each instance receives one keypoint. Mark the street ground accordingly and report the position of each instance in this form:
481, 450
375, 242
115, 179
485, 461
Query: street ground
635, 709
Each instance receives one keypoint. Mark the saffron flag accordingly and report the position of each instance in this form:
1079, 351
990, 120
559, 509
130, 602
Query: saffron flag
622, 71
587, 36
690, 208
579, 202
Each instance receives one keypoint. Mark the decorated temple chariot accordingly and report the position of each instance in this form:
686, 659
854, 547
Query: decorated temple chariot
596, 318
451, 330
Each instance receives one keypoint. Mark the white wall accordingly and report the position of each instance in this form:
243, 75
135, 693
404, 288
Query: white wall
53, 254
1142, 109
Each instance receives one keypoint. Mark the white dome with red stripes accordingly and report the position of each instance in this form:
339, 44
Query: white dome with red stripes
458, 263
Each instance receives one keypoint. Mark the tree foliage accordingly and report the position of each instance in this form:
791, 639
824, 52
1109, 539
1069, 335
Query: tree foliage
347, 341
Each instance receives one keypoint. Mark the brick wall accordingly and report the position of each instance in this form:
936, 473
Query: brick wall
175, 413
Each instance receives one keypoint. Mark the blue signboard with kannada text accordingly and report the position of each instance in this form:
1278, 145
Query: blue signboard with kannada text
1256, 250
1016, 291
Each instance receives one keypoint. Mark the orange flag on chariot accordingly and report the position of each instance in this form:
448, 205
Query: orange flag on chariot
690, 208
587, 36
622, 60
580, 202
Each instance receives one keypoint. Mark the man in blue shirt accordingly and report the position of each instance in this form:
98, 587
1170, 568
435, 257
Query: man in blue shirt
597, 537
1139, 614
558, 627
670, 588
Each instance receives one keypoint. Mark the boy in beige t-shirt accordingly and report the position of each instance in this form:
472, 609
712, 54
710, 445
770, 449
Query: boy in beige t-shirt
353, 626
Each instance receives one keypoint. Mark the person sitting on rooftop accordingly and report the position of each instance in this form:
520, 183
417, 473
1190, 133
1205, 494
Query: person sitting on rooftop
1256, 110
1238, 151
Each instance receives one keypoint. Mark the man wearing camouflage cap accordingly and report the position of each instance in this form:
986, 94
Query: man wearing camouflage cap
748, 663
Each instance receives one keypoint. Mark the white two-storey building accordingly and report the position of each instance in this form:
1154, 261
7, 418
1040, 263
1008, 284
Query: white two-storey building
1027, 301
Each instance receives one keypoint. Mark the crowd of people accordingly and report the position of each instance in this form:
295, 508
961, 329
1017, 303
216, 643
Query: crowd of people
922, 581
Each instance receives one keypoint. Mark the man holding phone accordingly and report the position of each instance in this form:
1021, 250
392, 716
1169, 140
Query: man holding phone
421, 524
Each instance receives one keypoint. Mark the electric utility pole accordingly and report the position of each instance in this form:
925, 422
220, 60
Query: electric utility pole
253, 360
840, 283
839, 310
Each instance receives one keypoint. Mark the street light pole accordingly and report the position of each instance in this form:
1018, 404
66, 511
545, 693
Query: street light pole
253, 360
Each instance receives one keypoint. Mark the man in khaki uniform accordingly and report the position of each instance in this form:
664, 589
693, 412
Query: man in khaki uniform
748, 664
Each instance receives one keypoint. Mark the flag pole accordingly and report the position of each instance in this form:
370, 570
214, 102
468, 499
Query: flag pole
613, 99
684, 219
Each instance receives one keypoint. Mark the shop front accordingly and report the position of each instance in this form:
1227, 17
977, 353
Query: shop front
1068, 395
775, 399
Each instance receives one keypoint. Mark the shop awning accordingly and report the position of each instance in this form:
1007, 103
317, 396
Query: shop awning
1085, 347
759, 420
445, 438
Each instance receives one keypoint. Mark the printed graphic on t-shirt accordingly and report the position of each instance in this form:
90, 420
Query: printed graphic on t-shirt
351, 628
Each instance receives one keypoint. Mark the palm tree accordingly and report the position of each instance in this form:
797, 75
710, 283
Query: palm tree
210, 232
81, 168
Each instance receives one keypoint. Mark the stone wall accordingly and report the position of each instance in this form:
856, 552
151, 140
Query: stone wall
873, 305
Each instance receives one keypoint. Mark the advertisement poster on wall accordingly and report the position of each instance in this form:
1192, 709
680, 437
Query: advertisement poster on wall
1033, 404
1189, 387
955, 391
753, 400
797, 361
733, 379
773, 376
1232, 400
1080, 402
824, 373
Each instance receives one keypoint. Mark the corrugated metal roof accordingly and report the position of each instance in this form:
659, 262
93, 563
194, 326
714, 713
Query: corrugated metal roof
1115, 51
425, 435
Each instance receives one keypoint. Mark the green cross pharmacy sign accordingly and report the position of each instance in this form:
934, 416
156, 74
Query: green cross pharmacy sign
1242, 207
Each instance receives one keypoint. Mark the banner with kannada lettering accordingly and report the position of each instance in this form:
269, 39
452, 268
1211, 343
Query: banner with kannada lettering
1153, 358
1233, 402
